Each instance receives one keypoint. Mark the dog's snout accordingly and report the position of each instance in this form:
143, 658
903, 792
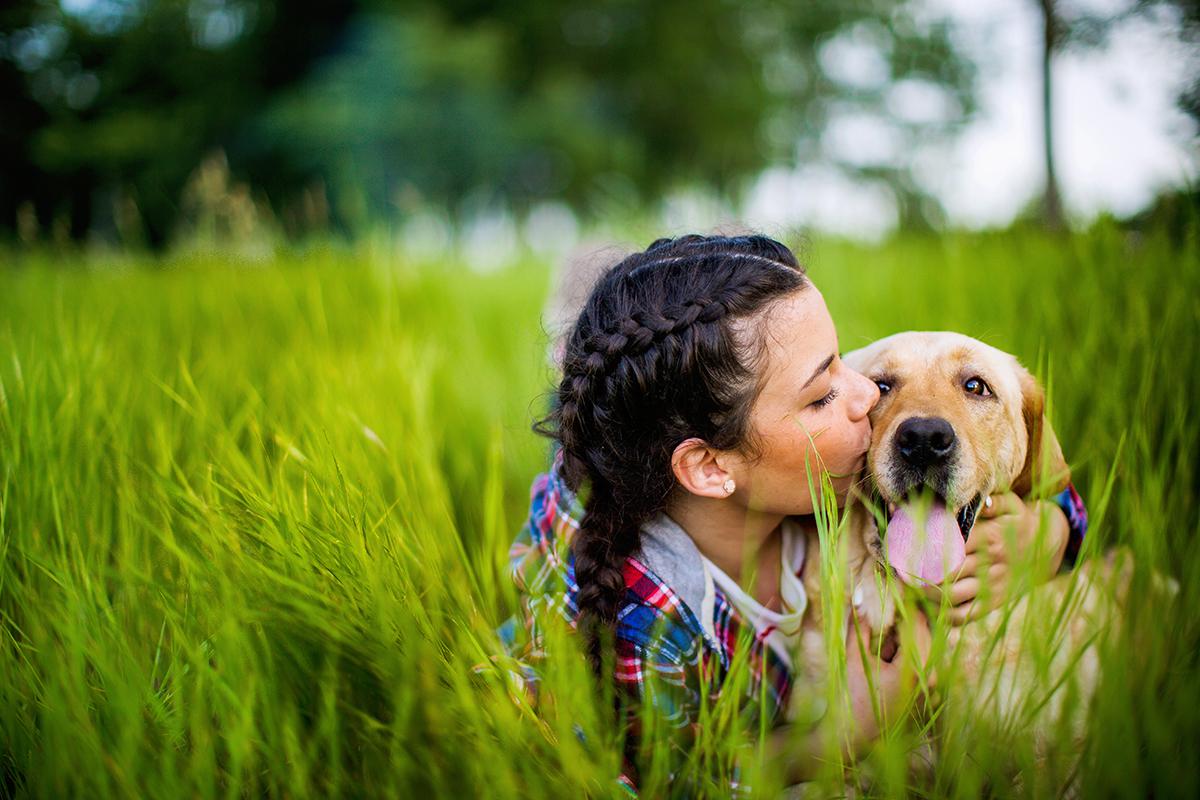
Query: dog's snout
925, 441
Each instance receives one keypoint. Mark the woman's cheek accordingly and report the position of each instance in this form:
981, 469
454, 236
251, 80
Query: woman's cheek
806, 440
788, 452
841, 452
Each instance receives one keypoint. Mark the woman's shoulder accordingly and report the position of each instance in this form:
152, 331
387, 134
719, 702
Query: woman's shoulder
541, 549
655, 618
664, 579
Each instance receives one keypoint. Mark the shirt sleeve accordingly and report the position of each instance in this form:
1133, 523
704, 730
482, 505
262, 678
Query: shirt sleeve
1077, 519
540, 557
540, 566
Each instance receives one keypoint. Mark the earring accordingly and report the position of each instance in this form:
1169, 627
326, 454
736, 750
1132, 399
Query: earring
729, 486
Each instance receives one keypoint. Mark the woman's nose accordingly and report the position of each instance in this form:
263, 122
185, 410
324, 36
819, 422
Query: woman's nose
868, 396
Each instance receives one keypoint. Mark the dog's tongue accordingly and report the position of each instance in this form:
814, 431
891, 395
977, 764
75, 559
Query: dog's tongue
924, 552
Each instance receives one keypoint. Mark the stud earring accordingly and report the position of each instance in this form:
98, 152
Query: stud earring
729, 486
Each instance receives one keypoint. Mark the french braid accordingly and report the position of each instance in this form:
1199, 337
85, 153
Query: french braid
653, 359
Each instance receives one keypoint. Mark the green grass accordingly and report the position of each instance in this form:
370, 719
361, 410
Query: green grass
253, 519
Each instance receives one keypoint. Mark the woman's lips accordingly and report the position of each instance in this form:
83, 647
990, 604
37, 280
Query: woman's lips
866, 445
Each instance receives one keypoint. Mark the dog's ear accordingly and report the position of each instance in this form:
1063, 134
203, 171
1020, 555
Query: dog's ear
1045, 471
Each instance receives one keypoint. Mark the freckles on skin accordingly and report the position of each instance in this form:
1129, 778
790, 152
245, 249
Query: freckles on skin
838, 450
810, 442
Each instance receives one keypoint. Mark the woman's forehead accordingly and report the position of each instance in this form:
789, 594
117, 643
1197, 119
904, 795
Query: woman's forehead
801, 326
800, 337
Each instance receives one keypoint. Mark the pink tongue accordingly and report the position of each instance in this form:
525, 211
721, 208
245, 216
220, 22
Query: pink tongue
924, 555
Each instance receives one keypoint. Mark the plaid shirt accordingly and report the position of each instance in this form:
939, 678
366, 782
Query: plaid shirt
656, 633
1077, 518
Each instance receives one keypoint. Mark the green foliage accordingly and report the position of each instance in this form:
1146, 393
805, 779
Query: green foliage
115, 96
411, 108
462, 104
253, 520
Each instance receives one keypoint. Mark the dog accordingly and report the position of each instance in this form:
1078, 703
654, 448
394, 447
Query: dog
958, 421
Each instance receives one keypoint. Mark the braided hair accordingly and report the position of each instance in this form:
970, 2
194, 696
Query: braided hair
659, 354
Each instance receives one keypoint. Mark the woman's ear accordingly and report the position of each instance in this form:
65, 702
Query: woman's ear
1045, 471
697, 468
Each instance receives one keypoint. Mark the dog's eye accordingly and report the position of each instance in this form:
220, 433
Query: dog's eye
884, 386
977, 386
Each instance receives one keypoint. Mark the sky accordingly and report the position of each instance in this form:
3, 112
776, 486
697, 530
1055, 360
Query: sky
1120, 137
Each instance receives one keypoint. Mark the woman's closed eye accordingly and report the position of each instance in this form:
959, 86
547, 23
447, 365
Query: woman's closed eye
821, 402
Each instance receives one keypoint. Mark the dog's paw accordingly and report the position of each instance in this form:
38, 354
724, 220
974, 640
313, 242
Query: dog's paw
875, 609
873, 604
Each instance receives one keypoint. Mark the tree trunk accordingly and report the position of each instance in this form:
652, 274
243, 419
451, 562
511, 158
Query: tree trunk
1052, 211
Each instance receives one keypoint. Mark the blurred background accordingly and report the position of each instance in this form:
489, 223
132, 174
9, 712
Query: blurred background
530, 124
270, 276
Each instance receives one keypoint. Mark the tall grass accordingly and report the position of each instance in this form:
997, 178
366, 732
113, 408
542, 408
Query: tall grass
253, 520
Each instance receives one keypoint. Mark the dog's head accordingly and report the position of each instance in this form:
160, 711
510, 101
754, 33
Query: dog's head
957, 420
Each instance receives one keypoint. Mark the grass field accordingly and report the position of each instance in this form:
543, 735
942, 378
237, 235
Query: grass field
253, 519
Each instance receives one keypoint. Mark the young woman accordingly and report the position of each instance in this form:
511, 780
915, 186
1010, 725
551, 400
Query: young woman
701, 386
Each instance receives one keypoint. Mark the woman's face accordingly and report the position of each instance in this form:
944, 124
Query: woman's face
811, 413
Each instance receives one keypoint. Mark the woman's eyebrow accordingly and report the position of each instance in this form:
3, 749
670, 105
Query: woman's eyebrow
823, 366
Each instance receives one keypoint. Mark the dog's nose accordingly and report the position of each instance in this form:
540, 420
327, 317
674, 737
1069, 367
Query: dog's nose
925, 441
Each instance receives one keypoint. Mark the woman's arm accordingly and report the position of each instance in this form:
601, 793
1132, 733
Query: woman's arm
1075, 512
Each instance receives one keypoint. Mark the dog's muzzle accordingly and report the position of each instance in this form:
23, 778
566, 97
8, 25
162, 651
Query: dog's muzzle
925, 534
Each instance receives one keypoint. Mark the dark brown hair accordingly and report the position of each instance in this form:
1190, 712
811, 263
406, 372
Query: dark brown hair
656, 357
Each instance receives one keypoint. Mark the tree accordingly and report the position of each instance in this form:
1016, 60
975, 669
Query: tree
1064, 29
452, 102
128, 97
1052, 210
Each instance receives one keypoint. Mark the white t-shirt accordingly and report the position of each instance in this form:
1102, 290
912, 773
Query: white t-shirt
780, 630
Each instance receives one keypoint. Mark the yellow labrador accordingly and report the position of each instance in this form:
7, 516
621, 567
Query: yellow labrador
957, 421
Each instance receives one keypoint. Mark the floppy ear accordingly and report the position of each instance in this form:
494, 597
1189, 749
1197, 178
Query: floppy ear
1045, 471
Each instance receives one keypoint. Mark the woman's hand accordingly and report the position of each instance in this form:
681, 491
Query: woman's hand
1006, 533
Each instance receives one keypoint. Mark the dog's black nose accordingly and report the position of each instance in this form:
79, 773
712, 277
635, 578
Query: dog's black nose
925, 441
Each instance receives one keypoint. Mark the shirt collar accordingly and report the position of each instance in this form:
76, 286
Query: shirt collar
670, 553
